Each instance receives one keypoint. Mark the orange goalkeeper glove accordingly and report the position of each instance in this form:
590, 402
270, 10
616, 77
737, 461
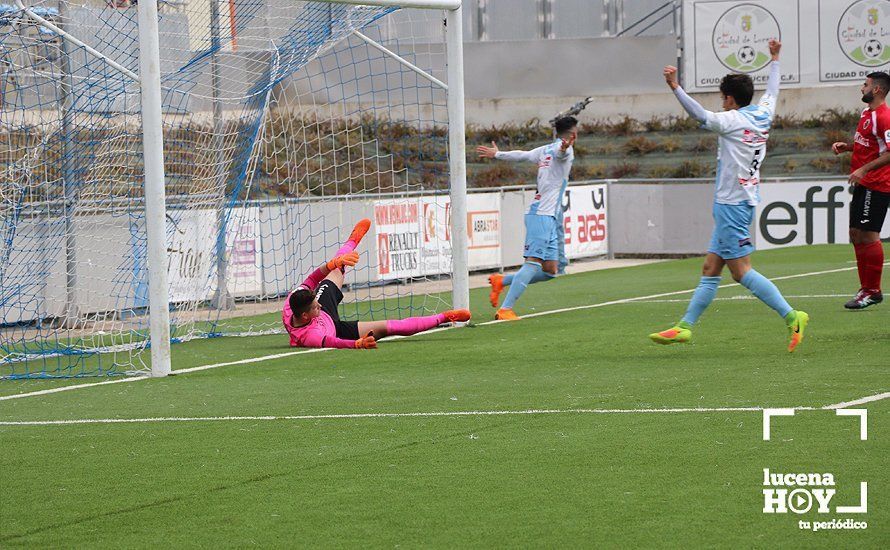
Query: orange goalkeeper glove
348, 259
368, 342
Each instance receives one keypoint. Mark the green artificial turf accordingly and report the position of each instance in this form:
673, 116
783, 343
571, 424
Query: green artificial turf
565, 479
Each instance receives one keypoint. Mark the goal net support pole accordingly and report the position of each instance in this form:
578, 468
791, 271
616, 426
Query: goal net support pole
155, 197
457, 146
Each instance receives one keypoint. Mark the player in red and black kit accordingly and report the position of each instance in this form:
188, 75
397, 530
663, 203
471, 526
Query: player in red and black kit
870, 179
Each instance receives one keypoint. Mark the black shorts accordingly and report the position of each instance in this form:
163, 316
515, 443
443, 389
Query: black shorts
329, 297
868, 209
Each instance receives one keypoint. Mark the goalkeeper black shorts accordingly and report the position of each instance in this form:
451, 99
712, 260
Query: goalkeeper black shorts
329, 297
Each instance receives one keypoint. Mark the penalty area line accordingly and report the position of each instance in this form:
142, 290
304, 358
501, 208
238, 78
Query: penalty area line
394, 338
346, 416
526, 412
72, 387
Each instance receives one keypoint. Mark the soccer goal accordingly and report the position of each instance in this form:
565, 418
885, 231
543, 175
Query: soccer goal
172, 169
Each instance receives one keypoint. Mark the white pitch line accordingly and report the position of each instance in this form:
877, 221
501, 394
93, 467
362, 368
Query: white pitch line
392, 338
373, 415
160, 419
861, 401
72, 387
744, 297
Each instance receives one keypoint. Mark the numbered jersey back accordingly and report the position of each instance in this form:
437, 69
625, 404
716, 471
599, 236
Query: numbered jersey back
741, 150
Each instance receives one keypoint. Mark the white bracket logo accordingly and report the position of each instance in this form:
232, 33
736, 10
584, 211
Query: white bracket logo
861, 413
800, 500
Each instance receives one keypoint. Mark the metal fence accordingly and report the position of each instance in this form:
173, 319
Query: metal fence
492, 20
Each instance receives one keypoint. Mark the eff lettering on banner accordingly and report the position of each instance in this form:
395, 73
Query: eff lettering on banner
802, 213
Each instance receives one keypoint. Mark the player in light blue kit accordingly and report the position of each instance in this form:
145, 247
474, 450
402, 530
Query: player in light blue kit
743, 130
543, 221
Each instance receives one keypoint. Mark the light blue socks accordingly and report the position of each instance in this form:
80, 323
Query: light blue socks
766, 291
543, 276
701, 299
529, 273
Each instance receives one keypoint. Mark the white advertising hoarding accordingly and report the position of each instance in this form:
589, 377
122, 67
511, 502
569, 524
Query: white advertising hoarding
484, 228
397, 228
191, 236
414, 235
854, 39
732, 37
245, 270
584, 221
824, 42
801, 213
435, 246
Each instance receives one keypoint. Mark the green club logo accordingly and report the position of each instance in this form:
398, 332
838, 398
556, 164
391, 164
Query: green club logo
741, 37
862, 34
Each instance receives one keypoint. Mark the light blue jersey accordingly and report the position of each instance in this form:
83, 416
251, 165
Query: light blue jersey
554, 166
743, 134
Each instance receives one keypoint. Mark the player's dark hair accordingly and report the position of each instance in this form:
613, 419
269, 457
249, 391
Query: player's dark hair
300, 300
565, 124
882, 80
739, 87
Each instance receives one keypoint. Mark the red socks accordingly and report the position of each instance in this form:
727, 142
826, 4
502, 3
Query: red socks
870, 260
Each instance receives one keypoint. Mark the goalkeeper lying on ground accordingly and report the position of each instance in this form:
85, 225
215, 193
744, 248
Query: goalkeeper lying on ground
310, 312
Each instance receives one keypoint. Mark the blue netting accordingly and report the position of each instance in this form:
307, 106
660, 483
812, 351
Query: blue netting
274, 116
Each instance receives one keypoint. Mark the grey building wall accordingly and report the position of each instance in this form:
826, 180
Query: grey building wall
566, 68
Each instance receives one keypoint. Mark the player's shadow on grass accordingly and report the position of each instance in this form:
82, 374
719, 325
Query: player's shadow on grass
251, 481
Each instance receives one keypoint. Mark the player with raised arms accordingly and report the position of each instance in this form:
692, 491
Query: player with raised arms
743, 130
543, 223
310, 312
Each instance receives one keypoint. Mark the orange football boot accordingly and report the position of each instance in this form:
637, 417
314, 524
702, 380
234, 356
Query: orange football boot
496, 281
457, 315
358, 232
506, 314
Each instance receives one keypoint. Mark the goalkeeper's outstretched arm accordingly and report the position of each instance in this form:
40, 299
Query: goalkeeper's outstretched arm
316, 340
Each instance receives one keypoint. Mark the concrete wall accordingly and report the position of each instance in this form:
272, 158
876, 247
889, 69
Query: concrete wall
515, 81
660, 218
566, 67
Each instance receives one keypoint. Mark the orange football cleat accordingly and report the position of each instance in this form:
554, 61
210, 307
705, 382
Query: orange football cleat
496, 281
675, 335
358, 232
797, 323
457, 315
506, 314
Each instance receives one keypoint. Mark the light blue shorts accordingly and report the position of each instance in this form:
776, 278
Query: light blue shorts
732, 231
542, 234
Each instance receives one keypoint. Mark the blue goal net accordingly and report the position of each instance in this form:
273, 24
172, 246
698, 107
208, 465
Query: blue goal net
284, 123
